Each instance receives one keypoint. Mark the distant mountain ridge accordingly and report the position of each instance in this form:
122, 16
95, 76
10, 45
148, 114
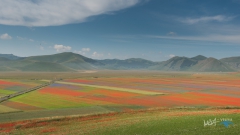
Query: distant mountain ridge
233, 62
132, 63
9, 56
71, 62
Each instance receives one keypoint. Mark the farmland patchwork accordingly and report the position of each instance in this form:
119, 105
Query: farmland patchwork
194, 90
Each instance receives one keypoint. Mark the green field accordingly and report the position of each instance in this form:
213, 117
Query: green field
5, 109
6, 92
183, 125
47, 101
164, 122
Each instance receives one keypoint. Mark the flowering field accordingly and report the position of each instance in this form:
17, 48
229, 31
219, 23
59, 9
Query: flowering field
126, 93
189, 90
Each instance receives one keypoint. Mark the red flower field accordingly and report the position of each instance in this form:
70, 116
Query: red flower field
59, 91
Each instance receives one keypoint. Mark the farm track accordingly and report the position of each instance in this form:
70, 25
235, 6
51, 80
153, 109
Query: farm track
144, 92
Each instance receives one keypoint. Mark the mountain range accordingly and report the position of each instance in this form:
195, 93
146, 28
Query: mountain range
71, 62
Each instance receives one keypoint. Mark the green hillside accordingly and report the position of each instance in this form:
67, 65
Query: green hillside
45, 67
199, 57
28, 65
68, 59
133, 63
175, 64
233, 62
211, 65
9, 56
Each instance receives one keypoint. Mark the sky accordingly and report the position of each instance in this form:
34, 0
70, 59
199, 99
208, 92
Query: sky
120, 29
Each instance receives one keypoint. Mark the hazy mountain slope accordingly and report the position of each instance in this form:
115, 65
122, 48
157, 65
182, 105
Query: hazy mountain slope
211, 65
233, 62
4, 68
175, 64
70, 62
27, 65
3, 59
9, 56
68, 59
45, 67
199, 57
3, 64
133, 63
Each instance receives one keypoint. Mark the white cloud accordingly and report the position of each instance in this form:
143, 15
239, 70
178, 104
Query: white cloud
23, 38
5, 36
213, 38
56, 12
171, 55
83, 51
20, 38
86, 49
80, 52
219, 18
97, 55
62, 48
171, 34
41, 48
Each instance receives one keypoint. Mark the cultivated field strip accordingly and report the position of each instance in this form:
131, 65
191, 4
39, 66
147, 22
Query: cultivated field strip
114, 88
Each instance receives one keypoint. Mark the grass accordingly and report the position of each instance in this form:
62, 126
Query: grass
48, 101
5, 109
52, 114
185, 125
115, 88
6, 92
148, 122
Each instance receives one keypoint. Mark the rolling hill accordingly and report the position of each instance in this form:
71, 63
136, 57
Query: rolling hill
9, 56
133, 63
71, 62
199, 57
211, 65
68, 59
175, 64
233, 62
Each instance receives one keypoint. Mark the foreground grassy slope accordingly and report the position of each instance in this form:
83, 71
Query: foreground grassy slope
151, 122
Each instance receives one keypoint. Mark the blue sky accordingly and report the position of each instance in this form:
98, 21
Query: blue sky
105, 29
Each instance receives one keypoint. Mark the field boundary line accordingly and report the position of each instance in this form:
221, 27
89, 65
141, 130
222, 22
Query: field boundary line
144, 92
